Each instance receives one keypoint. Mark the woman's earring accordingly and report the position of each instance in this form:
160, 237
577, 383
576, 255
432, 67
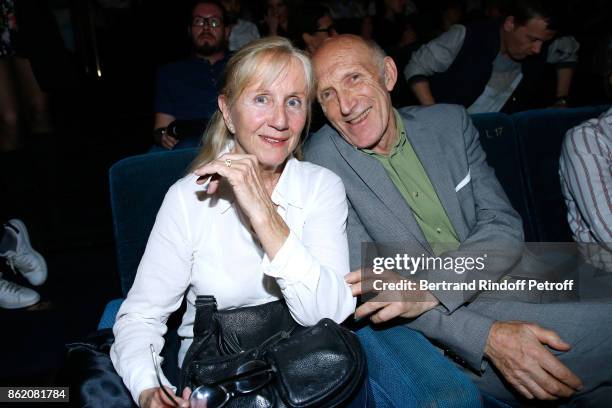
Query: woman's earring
231, 129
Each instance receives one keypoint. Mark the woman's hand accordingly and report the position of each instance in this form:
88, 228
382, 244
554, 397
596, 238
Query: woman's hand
155, 398
243, 173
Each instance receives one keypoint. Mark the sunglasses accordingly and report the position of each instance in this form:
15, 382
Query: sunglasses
329, 30
249, 377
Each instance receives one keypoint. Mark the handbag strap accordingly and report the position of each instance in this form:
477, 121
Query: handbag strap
206, 307
204, 333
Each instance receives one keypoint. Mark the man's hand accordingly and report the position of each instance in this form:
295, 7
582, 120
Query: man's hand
162, 138
160, 135
403, 304
517, 351
155, 398
168, 142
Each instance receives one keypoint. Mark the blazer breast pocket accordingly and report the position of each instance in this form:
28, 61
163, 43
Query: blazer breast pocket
464, 182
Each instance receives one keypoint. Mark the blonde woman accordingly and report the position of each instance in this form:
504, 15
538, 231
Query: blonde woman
250, 224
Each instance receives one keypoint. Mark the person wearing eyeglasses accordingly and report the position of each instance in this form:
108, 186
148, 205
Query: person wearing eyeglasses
250, 224
311, 26
186, 91
308, 30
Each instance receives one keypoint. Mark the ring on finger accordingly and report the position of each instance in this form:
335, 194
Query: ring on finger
228, 162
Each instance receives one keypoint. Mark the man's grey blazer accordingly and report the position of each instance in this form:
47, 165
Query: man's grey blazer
448, 146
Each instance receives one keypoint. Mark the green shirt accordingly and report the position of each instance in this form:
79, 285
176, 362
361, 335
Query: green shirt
409, 177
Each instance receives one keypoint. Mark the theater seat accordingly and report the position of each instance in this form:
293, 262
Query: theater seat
499, 141
540, 134
138, 185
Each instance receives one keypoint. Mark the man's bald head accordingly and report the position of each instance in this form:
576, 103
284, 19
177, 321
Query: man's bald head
356, 45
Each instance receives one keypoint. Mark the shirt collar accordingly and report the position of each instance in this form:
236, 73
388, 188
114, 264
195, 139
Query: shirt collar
288, 191
401, 137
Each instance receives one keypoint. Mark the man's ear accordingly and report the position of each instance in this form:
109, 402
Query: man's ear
390, 73
227, 31
509, 24
225, 111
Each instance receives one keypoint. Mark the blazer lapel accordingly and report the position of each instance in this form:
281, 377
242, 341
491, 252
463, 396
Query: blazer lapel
429, 151
375, 178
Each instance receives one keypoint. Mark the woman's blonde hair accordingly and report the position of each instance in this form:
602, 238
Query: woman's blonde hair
262, 60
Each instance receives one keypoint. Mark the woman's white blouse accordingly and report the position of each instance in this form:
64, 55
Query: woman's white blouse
202, 245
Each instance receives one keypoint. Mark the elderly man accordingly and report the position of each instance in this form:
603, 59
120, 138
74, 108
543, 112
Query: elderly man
419, 176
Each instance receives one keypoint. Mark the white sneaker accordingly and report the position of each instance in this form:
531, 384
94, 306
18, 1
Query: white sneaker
14, 296
26, 260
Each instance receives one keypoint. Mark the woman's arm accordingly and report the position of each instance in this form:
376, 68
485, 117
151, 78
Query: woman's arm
310, 271
161, 280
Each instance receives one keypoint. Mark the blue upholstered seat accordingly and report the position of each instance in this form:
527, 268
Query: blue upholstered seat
499, 141
540, 135
138, 185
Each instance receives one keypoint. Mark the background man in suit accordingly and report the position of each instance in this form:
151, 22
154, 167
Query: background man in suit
419, 175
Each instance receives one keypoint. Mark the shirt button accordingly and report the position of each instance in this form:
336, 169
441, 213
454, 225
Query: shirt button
415, 194
439, 230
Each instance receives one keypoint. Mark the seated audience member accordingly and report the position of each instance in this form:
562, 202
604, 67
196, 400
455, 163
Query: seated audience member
242, 31
346, 9
586, 182
499, 65
276, 19
388, 24
187, 90
15, 247
350, 16
418, 176
267, 227
311, 26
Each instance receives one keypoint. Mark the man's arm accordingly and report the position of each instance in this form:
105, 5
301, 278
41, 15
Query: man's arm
586, 179
497, 231
164, 105
461, 330
422, 90
564, 83
356, 234
563, 53
435, 56
516, 349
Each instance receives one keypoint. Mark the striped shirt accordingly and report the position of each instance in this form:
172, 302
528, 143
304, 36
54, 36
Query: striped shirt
586, 180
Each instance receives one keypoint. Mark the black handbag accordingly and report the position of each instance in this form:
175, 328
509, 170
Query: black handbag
318, 366
89, 372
